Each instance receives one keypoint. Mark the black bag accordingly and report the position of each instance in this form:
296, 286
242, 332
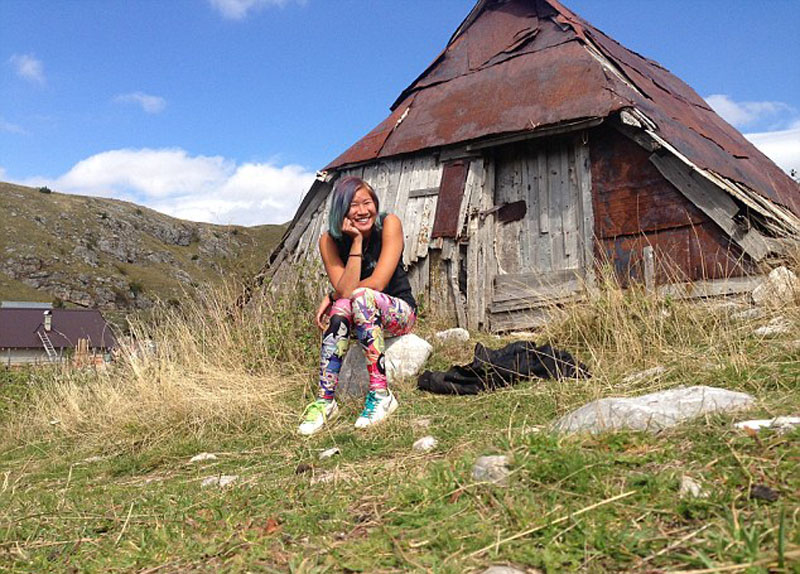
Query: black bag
491, 369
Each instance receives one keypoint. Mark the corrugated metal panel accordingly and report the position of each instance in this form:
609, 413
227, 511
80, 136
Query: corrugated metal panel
519, 66
635, 207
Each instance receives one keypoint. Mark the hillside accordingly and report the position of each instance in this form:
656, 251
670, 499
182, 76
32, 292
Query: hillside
115, 255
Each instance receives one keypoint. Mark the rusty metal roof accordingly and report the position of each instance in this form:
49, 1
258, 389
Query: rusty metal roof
516, 66
18, 328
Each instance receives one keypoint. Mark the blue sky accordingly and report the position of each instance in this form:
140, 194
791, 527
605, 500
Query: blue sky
221, 110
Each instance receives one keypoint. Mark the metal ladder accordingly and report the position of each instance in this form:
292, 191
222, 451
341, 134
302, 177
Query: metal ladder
52, 355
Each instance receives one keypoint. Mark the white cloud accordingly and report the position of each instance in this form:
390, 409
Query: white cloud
150, 104
782, 147
744, 114
10, 128
198, 188
28, 67
2, 173
239, 9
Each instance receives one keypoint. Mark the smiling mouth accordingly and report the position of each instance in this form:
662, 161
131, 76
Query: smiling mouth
363, 219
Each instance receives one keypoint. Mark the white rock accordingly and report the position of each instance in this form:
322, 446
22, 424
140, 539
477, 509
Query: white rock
94, 459
404, 357
749, 314
779, 423
456, 335
780, 287
227, 479
329, 453
425, 444
203, 456
493, 468
421, 423
653, 373
777, 326
220, 481
652, 412
690, 487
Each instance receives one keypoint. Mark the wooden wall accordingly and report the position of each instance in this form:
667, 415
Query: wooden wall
635, 208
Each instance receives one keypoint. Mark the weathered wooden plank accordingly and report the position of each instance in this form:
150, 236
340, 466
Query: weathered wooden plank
543, 242
649, 258
423, 279
713, 201
487, 263
571, 214
544, 197
440, 303
508, 287
555, 295
425, 225
518, 320
584, 173
711, 288
557, 191
471, 202
411, 220
455, 293
302, 248
423, 192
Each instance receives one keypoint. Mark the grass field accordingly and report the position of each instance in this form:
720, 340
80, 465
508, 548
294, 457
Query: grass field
95, 471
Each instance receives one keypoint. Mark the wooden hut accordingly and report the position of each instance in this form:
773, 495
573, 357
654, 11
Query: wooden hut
533, 148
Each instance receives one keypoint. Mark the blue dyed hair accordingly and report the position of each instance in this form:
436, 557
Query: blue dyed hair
342, 197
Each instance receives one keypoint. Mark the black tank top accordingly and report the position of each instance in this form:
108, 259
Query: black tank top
398, 285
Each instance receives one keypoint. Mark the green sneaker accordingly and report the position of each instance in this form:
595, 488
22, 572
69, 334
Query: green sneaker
316, 415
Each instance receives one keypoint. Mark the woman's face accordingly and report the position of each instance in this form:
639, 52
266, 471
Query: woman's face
363, 210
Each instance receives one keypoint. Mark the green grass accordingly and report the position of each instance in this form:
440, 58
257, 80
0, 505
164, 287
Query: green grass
579, 503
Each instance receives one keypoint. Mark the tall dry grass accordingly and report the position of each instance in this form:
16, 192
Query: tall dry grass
197, 369
189, 369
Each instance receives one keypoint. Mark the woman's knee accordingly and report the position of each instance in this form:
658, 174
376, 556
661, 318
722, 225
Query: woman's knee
364, 306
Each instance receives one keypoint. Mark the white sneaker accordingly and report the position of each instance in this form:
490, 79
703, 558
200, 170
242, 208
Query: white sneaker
316, 415
377, 407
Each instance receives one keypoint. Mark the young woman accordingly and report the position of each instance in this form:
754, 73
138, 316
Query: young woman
362, 253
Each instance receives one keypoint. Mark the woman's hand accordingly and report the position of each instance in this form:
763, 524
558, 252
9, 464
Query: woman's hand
322, 313
349, 229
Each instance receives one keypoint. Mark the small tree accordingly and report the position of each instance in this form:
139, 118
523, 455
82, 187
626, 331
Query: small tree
45, 189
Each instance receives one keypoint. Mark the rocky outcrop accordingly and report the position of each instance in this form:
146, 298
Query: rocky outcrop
115, 255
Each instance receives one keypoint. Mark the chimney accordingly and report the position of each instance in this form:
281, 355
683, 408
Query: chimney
48, 320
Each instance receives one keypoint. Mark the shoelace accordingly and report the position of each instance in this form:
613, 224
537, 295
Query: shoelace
370, 404
320, 408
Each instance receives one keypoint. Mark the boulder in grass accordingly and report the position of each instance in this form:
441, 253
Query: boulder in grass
780, 287
456, 335
405, 356
652, 412
492, 468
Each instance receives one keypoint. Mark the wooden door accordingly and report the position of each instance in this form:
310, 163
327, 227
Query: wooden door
543, 255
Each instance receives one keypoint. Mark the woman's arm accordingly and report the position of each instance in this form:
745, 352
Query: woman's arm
391, 251
343, 275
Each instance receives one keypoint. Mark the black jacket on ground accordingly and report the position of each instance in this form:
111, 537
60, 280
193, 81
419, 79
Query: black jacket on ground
491, 369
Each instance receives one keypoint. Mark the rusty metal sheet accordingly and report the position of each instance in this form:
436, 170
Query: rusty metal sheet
451, 192
524, 93
682, 254
630, 194
520, 65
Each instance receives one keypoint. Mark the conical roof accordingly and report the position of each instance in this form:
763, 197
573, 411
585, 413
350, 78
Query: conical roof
516, 66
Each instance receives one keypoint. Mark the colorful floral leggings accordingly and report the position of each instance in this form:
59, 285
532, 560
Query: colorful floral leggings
371, 313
